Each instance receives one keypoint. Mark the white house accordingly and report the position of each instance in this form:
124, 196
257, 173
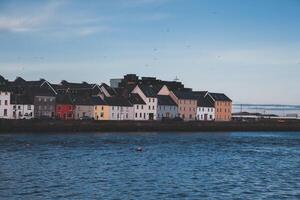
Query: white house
149, 96
5, 109
22, 107
119, 108
139, 107
205, 110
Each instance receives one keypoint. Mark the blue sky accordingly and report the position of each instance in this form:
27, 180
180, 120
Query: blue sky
249, 50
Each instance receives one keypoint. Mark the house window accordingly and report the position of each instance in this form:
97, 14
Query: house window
149, 107
5, 112
136, 115
5, 102
158, 115
0, 102
141, 115
142, 107
153, 108
28, 107
118, 116
149, 100
144, 115
102, 108
153, 100
183, 116
19, 107
113, 115
113, 108
191, 116
101, 114
137, 106
126, 115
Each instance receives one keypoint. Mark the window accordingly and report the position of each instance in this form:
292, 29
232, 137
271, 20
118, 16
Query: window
153, 108
191, 116
149, 100
45, 100
5, 112
0, 102
113, 115
102, 108
149, 107
113, 108
141, 115
118, 116
137, 106
19, 107
142, 107
136, 115
28, 107
126, 115
144, 115
153, 100
101, 114
5, 102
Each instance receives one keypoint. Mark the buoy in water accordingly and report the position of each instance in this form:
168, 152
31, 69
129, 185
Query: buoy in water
139, 149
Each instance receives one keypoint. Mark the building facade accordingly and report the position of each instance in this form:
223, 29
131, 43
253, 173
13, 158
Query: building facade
167, 108
150, 98
44, 106
222, 105
5, 106
187, 104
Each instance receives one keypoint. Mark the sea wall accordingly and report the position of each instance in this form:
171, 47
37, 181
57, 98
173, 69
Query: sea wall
42, 126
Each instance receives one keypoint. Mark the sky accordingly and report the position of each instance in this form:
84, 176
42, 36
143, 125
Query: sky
248, 49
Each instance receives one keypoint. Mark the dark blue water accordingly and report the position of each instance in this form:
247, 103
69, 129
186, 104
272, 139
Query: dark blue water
171, 166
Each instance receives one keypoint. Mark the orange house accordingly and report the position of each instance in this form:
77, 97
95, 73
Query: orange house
222, 104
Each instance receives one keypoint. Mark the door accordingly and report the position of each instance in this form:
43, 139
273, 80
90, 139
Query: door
151, 116
205, 117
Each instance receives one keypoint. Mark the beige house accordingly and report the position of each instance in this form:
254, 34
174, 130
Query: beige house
187, 104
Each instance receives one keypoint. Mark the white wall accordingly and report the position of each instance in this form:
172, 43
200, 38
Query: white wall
5, 111
208, 111
20, 111
140, 111
121, 113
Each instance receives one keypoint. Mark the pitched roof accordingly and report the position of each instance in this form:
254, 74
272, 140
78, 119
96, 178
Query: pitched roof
98, 101
185, 95
65, 99
21, 99
148, 90
117, 101
109, 89
165, 100
136, 99
219, 97
204, 102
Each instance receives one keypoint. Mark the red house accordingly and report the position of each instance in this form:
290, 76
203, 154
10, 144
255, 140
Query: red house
65, 108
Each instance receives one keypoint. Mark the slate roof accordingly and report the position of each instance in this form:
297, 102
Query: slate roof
136, 99
117, 101
185, 95
148, 90
98, 101
65, 99
165, 100
22, 99
109, 89
204, 102
219, 97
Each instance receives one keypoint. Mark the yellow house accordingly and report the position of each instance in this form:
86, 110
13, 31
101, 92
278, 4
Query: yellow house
101, 109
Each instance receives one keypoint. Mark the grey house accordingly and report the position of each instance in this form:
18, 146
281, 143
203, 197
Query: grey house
166, 107
44, 106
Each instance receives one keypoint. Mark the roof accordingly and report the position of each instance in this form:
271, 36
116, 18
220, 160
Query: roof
97, 101
21, 99
65, 99
117, 101
185, 95
148, 90
219, 97
165, 100
109, 89
136, 99
204, 102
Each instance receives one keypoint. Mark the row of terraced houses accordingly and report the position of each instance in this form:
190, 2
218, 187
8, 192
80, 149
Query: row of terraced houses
128, 98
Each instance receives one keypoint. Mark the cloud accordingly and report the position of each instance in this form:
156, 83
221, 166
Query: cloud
28, 21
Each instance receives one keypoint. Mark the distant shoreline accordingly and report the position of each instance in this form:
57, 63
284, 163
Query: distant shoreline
49, 126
